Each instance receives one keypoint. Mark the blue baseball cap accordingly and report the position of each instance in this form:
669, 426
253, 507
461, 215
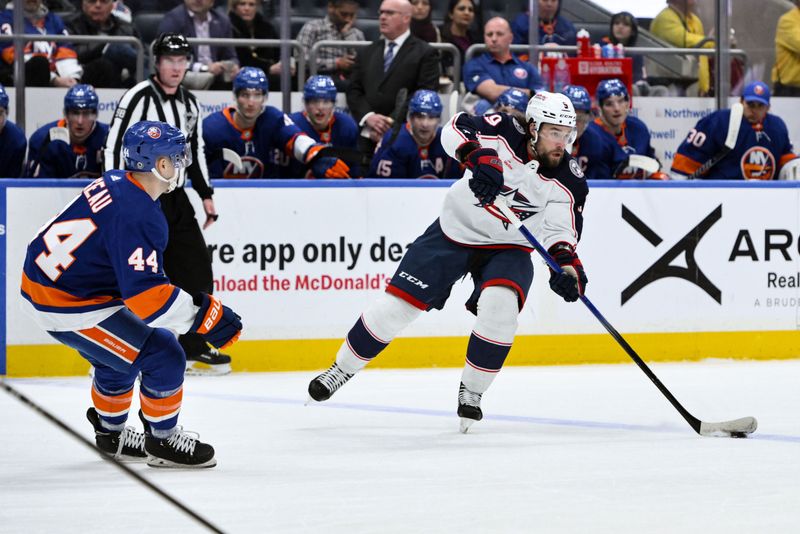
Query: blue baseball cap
756, 92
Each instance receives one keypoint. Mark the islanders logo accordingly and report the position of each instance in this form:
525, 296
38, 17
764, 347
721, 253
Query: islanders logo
154, 132
520, 73
757, 163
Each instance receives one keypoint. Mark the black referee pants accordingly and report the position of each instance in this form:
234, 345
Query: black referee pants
187, 262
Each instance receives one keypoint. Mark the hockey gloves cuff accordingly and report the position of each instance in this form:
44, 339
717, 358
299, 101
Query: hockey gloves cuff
571, 282
326, 167
487, 174
218, 324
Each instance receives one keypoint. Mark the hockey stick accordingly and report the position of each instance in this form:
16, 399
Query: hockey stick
738, 428
113, 461
232, 157
734, 123
637, 161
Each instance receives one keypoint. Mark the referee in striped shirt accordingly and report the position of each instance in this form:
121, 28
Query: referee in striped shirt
187, 262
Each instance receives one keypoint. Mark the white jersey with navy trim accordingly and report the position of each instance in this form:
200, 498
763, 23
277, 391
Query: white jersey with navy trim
549, 201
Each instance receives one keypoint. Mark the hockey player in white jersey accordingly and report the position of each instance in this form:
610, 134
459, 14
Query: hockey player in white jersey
529, 166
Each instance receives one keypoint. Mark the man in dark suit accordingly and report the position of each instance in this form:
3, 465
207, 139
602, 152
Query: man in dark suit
214, 66
397, 61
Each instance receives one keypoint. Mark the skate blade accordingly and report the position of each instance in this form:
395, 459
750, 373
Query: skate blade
194, 368
160, 463
465, 424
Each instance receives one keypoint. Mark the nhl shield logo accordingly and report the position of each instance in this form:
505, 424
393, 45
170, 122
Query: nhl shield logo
154, 132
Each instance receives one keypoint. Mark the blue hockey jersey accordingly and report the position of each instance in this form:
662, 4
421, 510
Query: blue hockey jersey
760, 151
404, 158
601, 152
104, 251
12, 155
56, 159
264, 148
342, 132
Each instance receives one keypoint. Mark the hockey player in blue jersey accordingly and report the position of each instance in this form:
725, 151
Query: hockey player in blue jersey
321, 122
263, 137
93, 279
613, 136
12, 141
529, 167
513, 102
71, 147
762, 146
582, 102
415, 151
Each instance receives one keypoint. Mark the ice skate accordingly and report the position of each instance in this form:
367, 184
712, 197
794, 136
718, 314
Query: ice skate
469, 407
322, 387
181, 450
210, 363
126, 445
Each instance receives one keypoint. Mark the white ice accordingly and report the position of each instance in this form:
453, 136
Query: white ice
562, 449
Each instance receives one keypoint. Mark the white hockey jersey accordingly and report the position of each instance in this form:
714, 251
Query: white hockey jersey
549, 201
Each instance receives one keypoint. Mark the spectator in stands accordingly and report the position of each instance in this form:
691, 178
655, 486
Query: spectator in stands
46, 63
13, 141
104, 64
71, 147
494, 71
249, 22
213, 66
678, 25
582, 102
459, 29
322, 123
762, 146
421, 24
398, 61
613, 136
338, 25
553, 28
786, 72
624, 30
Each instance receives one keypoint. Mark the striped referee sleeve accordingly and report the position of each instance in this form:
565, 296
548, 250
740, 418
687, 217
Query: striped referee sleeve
130, 110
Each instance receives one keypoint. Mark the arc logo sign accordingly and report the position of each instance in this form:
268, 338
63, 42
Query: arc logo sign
663, 267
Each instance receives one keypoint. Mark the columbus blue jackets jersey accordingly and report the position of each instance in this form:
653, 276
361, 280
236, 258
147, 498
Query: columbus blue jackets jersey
12, 155
601, 152
49, 158
342, 132
548, 200
404, 158
760, 151
264, 148
102, 252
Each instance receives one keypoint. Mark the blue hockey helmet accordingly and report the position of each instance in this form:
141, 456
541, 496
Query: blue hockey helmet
81, 96
319, 88
427, 102
579, 96
250, 78
3, 97
611, 87
146, 141
514, 98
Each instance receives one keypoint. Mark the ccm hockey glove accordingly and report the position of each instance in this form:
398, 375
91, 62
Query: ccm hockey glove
218, 324
487, 174
326, 167
571, 282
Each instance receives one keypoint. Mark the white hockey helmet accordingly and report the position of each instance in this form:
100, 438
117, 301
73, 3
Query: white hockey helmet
790, 170
551, 108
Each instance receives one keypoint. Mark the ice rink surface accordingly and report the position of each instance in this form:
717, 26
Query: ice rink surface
588, 449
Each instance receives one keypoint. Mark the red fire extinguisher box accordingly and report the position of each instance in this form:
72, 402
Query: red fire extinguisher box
587, 72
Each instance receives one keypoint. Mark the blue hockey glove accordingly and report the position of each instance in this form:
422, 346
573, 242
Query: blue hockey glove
487, 174
571, 282
218, 324
326, 167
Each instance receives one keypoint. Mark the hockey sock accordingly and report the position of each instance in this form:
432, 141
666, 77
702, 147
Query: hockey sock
160, 409
491, 338
111, 406
373, 332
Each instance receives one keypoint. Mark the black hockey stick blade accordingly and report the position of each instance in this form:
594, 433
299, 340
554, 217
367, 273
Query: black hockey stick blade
738, 428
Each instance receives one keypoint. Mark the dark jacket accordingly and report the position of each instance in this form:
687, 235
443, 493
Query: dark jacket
179, 21
80, 24
249, 56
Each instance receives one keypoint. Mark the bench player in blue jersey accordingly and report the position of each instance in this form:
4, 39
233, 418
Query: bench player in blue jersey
71, 147
263, 137
13, 141
415, 150
93, 279
582, 102
322, 123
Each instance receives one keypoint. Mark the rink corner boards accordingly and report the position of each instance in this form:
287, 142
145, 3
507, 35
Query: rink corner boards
428, 352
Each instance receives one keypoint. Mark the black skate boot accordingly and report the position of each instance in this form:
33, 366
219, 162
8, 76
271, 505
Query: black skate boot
210, 363
182, 449
326, 384
469, 407
126, 445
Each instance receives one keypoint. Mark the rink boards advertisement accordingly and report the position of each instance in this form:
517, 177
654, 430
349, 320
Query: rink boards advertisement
684, 270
